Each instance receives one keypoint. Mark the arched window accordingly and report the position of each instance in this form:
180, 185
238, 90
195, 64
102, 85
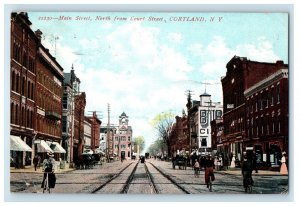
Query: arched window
28, 89
12, 113
17, 115
23, 118
28, 118
17, 83
13, 80
23, 86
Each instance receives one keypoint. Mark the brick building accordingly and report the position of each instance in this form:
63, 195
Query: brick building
179, 134
241, 75
78, 138
267, 117
87, 134
122, 142
49, 89
95, 131
23, 45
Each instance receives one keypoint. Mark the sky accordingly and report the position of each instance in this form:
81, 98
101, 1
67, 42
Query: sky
143, 63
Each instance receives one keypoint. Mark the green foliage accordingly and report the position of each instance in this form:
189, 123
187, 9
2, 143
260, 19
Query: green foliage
140, 141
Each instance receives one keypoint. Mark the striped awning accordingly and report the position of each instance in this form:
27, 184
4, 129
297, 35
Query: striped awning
17, 144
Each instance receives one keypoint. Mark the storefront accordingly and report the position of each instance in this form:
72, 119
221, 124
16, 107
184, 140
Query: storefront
19, 150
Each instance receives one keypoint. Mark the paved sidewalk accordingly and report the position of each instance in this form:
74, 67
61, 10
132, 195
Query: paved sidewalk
237, 171
30, 169
232, 171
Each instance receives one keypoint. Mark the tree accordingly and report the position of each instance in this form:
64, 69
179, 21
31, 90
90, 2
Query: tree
162, 123
139, 141
157, 147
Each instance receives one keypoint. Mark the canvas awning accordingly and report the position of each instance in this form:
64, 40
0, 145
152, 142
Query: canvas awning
43, 147
17, 144
57, 148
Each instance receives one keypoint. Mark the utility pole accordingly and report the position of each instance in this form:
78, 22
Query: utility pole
108, 133
188, 93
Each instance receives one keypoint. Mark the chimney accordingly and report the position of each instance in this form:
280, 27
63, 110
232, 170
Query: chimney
38, 34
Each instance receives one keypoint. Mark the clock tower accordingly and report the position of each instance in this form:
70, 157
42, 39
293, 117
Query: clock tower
123, 138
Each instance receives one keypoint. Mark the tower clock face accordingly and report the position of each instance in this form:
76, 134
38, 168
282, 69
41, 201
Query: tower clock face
123, 121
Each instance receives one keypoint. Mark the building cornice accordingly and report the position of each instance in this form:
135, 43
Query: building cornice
280, 74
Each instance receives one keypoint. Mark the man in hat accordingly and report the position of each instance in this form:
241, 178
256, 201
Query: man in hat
247, 168
48, 167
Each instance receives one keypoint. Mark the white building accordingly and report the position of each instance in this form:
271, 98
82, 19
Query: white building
206, 112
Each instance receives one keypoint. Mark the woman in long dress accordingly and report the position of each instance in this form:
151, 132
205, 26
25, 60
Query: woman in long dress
283, 168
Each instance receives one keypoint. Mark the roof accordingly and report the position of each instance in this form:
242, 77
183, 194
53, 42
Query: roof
123, 114
205, 94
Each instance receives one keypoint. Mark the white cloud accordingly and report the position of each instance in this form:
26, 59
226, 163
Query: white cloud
175, 37
196, 49
261, 51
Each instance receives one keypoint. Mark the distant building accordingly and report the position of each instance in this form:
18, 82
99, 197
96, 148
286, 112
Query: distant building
179, 140
74, 102
87, 134
95, 131
201, 113
122, 142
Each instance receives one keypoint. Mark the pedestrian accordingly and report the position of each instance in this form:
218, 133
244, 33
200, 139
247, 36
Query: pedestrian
196, 168
283, 167
221, 162
49, 167
216, 163
254, 163
36, 161
247, 167
209, 170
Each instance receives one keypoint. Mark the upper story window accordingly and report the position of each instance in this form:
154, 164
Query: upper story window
278, 94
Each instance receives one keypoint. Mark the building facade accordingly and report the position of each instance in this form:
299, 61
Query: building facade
23, 47
49, 89
87, 134
71, 89
95, 131
179, 134
267, 118
78, 138
240, 76
201, 113
122, 142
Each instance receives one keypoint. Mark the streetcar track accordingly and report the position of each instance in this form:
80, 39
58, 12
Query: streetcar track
150, 176
129, 180
111, 179
171, 179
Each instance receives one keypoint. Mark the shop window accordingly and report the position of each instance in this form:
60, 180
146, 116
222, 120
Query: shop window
203, 142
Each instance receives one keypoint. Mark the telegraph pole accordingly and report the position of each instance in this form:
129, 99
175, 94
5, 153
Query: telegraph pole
188, 93
108, 133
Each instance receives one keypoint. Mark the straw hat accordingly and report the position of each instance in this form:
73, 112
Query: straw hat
50, 154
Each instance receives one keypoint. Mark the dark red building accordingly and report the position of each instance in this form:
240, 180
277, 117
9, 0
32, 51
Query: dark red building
95, 136
23, 83
49, 90
242, 74
78, 144
267, 117
179, 135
